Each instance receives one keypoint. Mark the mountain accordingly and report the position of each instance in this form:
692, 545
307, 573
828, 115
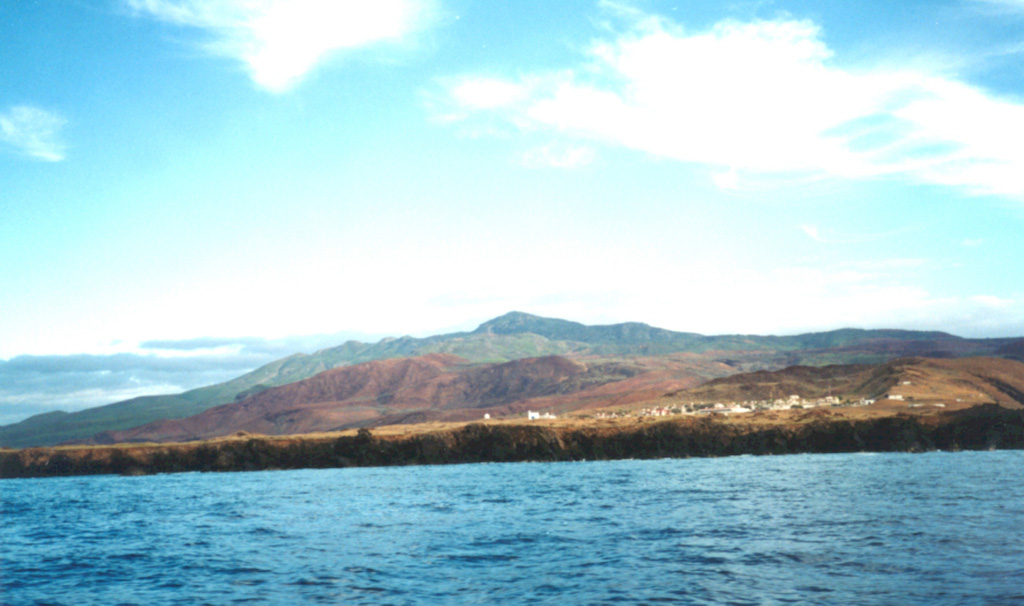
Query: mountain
56, 427
443, 387
629, 333
380, 391
626, 337
515, 336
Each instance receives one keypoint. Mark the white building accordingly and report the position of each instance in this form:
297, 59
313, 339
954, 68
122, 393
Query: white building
532, 415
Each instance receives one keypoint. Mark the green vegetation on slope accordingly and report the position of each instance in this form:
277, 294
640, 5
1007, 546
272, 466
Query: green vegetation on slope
512, 336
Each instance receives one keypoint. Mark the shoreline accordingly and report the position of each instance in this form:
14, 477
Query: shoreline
985, 427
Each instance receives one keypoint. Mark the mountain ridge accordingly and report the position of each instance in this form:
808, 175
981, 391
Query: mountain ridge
361, 394
517, 335
442, 387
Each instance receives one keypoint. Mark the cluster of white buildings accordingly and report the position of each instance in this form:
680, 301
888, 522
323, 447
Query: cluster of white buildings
725, 409
657, 411
532, 415
793, 401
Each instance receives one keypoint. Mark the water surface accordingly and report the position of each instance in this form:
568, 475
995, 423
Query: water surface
936, 528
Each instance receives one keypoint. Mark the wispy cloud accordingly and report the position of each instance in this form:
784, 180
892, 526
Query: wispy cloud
763, 98
34, 132
558, 156
803, 299
1015, 6
831, 236
280, 41
812, 232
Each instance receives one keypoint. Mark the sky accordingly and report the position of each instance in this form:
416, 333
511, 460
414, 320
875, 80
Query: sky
191, 188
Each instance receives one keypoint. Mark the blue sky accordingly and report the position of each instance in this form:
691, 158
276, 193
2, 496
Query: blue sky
207, 181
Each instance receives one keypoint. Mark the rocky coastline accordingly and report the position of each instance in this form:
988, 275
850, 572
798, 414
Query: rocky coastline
978, 428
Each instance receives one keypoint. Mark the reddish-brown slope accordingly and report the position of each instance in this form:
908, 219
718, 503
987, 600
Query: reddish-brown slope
977, 380
602, 384
806, 381
954, 383
371, 383
447, 388
367, 393
327, 400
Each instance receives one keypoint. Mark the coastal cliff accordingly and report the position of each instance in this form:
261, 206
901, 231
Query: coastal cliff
978, 428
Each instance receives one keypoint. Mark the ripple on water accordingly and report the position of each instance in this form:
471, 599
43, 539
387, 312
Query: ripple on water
822, 529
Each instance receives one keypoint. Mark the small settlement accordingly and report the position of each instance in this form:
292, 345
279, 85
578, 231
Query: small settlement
725, 408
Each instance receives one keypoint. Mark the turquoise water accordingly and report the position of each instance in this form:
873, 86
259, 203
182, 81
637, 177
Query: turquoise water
936, 528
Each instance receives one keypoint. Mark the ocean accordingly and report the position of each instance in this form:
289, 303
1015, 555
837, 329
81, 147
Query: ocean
933, 528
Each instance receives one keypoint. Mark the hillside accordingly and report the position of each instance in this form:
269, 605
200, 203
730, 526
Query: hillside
980, 427
896, 385
442, 387
805, 381
57, 427
516, 336
375, 392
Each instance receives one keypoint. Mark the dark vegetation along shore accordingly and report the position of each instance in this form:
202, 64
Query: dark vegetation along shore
462, 398
978, 428
506, 366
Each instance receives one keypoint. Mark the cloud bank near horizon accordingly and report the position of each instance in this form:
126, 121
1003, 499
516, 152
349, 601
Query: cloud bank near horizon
36, 384
760, 100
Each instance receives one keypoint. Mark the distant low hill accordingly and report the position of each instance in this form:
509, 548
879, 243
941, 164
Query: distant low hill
367, 393
954, 383
434, 387
443, 387
516, 336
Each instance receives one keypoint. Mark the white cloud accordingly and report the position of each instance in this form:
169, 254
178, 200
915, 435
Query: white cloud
727, 181
765, 98
832, 236
280, 41
620, 282
1007, 5
993, 302
811, 231
485, 93
34, 132
786, 300
558, 156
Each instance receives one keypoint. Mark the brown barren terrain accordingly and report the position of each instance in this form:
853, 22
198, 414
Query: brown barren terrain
950, 384
917, 404
821, 430
435, 387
